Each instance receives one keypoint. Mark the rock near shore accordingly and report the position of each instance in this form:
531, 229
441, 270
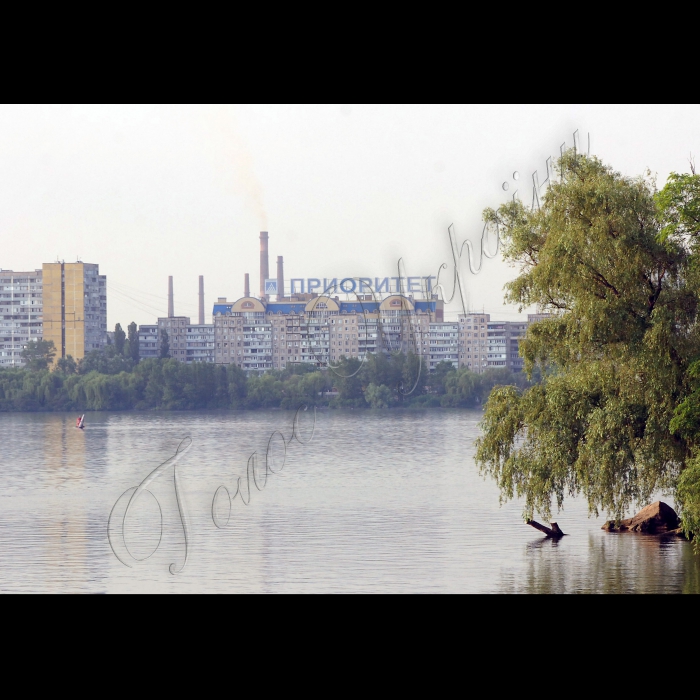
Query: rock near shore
657, 518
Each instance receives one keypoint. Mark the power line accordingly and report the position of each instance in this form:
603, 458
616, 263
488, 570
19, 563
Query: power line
131, 290
140, 304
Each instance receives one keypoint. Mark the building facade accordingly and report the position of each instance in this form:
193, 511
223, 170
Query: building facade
63, 302
175, 328
473, 331
486, 344
74, 308
260, 335
503, 347
148, 342
188, 342
444, 345
21, 314
199, 342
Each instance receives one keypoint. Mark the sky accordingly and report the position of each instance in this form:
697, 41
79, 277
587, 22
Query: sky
148, 191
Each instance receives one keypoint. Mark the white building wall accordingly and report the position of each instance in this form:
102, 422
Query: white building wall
21, 311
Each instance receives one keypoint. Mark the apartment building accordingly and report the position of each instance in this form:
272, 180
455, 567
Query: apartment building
20, 314
487, 344
503, 347
444, 344
188, 342
199, 342
74, 308
148, 342
63, 302
259, 335
473, 335
176, 330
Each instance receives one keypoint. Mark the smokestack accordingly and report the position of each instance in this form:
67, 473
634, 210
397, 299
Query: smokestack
171, 300
280, 278
246, 289
264, 266
201, 299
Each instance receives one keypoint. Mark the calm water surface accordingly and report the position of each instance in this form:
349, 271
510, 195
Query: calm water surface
383, 501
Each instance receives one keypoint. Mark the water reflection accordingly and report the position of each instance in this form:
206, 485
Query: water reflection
611, 563
389, 502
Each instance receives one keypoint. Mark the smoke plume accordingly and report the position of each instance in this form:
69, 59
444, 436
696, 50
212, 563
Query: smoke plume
238, 163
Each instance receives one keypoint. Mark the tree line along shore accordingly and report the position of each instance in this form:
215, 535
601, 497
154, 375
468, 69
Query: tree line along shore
113, 379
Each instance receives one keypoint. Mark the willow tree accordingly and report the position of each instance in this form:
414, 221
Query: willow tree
614, 355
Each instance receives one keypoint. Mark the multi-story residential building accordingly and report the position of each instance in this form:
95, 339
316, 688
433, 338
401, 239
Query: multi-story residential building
244, 335
503, 344
473, 331
199, 342
74, 308
444, 344
20, 314
533, 318
63, 302
148, 342
188, 342
259, 334
176, 330
487, 344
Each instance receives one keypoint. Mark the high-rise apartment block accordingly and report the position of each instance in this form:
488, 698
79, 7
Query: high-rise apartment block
75, 308
20, 314
473, 341
187, 342
262, 335
487, 344
62, 302
443, 344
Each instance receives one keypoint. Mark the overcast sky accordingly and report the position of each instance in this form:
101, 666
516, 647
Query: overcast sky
344, 190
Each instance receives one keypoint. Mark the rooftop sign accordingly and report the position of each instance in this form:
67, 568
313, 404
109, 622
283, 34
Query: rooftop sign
359, 285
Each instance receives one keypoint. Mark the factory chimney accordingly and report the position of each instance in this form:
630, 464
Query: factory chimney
201, 300
280, 278
171, 301
264, 266
246, 288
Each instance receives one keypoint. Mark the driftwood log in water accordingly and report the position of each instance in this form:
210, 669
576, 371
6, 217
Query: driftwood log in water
553, 531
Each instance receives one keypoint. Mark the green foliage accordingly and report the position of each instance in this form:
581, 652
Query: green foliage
437, 379
611, 419
164, 342
119, 338
688, 496
105, 361
348, 382
378, 396
680, 203
67, 365
133, 342
39, 354
106, 380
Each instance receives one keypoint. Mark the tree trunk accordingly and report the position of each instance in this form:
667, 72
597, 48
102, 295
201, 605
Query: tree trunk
554, 531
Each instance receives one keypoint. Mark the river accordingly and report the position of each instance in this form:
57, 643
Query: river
377, 501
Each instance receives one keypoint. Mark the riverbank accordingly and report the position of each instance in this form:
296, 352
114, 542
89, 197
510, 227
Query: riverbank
165, 384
